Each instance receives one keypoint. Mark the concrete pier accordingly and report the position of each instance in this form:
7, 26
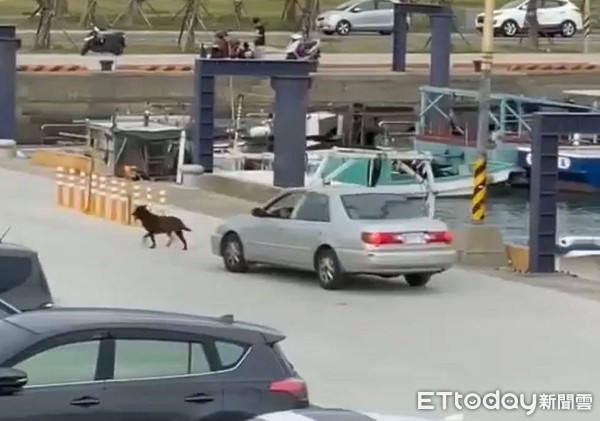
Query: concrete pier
64, 96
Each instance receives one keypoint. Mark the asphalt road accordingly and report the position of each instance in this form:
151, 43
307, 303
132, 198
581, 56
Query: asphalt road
370, 347
169, 37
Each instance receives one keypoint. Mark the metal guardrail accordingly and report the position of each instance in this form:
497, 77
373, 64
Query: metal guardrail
59, 132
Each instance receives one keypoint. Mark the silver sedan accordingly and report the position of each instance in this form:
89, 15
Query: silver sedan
336, 232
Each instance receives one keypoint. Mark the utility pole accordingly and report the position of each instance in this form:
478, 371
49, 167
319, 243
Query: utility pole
483, 131
587, 24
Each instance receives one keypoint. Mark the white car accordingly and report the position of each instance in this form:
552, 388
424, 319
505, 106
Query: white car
339, 231
359, 16
556, 17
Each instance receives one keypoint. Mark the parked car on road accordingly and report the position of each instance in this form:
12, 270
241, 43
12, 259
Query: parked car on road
116, 364
358, 16
23, 283
339, 231
556, 17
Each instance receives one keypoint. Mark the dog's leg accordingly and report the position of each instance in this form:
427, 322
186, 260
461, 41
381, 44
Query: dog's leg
182, 238
151, 236
145, 237
170, 235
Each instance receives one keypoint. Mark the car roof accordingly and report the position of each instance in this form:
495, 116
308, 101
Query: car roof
58, 320
11, 248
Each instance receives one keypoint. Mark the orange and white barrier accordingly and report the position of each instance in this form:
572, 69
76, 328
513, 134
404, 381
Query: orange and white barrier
105, 197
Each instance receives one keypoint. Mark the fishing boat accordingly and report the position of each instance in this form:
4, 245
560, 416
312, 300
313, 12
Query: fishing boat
448, 129
411, 173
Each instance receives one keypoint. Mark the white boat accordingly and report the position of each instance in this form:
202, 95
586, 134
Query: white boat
411, 173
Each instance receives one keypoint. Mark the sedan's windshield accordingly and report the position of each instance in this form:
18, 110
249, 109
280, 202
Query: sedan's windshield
345, 5
382, 206
512, 4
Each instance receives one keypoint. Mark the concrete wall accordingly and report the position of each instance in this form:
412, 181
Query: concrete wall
63, 97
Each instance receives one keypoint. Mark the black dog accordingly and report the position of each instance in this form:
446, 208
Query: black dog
157, 224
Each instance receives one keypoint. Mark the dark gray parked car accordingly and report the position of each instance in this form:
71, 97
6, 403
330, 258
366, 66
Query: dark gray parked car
22, 281
119, 365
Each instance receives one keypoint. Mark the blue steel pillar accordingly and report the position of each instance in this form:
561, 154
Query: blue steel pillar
9, 45
399, 40
441, 47
290, 109
204, 105
542, 199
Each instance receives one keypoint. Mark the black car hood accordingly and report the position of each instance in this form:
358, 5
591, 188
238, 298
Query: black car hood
23, 283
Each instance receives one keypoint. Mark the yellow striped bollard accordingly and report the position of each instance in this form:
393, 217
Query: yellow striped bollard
100, 205
81, 192
479, 190
112, 201
587, 25
60, 186
70, 189
123, 207
136, 200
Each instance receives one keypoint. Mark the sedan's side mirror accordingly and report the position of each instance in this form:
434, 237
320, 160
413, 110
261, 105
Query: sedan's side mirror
11, 380
355, 9
259, 212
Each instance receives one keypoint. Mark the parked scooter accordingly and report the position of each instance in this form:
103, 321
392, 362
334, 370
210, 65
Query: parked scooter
101, 41
302, 49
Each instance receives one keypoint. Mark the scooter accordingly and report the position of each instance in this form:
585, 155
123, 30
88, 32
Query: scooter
300, 49
100, 41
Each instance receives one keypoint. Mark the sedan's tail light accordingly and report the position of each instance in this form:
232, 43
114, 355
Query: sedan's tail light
292, 386
444, 237
411, 238
381, 238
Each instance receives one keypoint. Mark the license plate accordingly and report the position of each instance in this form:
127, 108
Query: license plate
413, 238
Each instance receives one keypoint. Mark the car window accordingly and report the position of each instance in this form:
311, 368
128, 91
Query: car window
315, 207
70, 363
513, 4
382, 206
346, 5
284, 206
199, 360
366, 6
229, 353
550, 4
14, 270
136, 359
385, 5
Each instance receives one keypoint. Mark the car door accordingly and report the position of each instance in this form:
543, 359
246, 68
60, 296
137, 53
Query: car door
63, 381
161, 376
266, 233
518, 14
308, 229
364, 15
550, 14
385, 15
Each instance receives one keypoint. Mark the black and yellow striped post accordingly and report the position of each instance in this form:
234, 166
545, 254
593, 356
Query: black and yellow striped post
587, 25
479, 190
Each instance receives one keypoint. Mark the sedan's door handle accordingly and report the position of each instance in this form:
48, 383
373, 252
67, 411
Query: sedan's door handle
85, 401
199, 398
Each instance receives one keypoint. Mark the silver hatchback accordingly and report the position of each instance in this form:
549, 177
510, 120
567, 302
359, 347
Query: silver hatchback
358, 16
339, 231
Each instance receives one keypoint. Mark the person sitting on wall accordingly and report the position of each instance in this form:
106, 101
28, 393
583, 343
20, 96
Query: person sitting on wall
259, 28
222, 44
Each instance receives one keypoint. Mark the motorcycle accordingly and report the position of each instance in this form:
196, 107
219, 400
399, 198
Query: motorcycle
300, 49
100, 41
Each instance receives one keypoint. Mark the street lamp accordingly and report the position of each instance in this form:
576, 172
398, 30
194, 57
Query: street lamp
483, 133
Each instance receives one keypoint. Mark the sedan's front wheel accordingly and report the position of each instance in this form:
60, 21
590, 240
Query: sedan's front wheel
232, 251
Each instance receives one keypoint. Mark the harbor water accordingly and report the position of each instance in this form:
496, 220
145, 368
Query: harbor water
577, 214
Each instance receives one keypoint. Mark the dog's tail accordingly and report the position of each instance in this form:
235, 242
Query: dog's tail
186, 229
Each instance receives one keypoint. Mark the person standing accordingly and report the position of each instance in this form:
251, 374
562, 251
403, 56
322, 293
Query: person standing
260, 38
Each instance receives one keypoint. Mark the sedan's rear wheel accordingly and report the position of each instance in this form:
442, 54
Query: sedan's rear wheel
417, 279
329, 271
232, 251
